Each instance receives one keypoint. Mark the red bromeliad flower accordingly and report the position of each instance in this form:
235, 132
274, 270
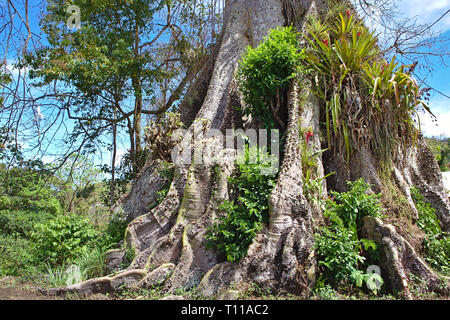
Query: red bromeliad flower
308, 134
325, 42
359, 34
348, 14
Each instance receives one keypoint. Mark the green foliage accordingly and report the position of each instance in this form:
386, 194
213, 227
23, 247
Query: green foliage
77, 183
26, 198
264, 72
436, 242
441, 151
15, 256
167, 172
91, 262
62, 239
325, 291
130, 254
88, 265
235, 231
115, 230
119, 60
444, 161
341, 254
313, 183
348, 208
57, 276
24, 189
345, 57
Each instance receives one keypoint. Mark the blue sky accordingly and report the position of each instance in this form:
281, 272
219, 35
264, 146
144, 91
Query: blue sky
428, 11
424, 11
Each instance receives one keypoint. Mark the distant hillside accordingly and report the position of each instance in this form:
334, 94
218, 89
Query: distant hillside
441, 150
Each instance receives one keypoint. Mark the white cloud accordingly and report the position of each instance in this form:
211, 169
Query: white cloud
427, 11
440, 126
14, 71
121, 152
446, 176
48, 159
423, 11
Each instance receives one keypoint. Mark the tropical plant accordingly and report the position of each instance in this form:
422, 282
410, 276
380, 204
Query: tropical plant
367, 100
348, 208
62, 239
341, 253
313, 183
232, 233
436, 242
265, 72
159, 135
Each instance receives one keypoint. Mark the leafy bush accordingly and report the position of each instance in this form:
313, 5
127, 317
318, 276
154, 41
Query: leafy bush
339, 251
167, 172
20, 223
437, 242
115, 230
25, 200
62, 239
265, 72
24, 189
341, 254
15, 257
235, 231
348, 208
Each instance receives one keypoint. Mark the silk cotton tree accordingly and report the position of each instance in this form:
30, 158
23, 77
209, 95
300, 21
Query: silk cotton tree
169, 239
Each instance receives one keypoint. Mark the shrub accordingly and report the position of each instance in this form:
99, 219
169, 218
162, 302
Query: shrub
436, 242
27, 190
265, 72
20, 223
348, 208
115, 230
15, 257
62, 239
340, 253
235, 231
25, 200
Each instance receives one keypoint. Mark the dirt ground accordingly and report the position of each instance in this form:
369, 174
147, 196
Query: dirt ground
13, 289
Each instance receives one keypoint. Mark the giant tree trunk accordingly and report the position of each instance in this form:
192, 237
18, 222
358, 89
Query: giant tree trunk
169, 239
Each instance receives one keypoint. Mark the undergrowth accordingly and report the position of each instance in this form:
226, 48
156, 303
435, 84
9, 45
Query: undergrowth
342, 255
232, 233
436, 242
265, 72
